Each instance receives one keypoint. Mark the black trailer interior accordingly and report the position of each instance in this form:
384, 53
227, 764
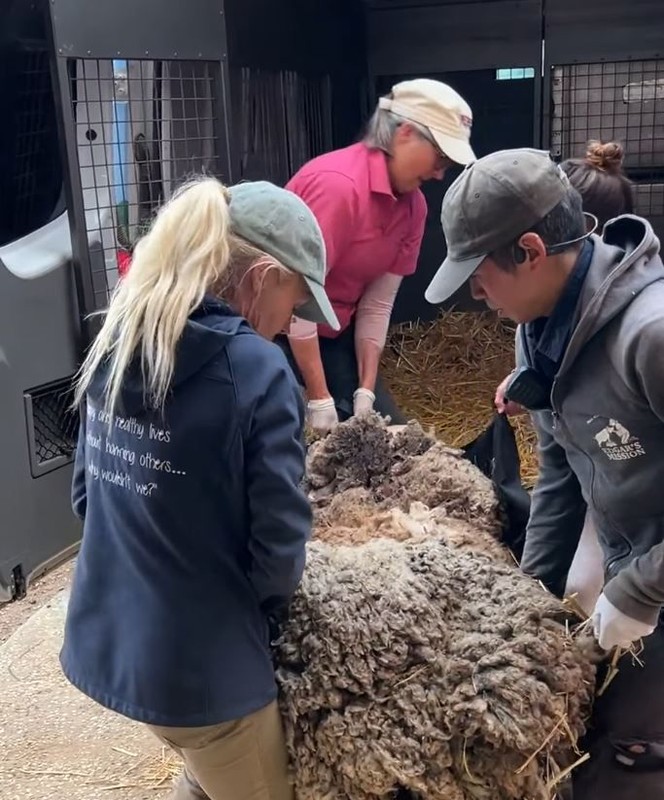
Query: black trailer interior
40, 340
542, 73
107, 108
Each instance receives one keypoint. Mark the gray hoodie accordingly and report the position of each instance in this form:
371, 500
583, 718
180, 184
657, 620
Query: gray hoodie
603, 442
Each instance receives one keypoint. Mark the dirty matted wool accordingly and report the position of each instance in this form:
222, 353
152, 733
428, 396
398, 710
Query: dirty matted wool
419, 666
442, 478
358, 453
417, 659
395, 470
354, 518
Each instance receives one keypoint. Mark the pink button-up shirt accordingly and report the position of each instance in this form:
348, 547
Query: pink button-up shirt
368, 231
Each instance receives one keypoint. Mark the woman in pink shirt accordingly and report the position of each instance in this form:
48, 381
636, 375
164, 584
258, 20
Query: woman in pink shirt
368, 203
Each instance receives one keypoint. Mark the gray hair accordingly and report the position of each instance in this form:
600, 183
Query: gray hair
563, 223
382, 126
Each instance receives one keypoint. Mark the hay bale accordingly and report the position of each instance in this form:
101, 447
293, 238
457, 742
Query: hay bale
445, 373
416, 657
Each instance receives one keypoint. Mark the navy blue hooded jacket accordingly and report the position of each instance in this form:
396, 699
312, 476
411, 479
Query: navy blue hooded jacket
194, 530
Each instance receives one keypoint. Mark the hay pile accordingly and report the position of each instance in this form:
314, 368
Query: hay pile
416, 657
444, 374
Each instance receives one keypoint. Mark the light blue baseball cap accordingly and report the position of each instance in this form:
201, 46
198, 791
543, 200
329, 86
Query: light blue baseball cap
281, 224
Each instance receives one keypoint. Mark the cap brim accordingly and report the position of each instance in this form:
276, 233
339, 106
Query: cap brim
318, 309
459, 151
450, 277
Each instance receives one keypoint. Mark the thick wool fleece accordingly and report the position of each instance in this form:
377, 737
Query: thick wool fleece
415, 665
417, 658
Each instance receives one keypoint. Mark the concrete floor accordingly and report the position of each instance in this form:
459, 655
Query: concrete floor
40, 592
55, 743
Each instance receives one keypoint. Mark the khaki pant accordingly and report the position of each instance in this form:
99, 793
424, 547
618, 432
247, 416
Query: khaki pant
241, 760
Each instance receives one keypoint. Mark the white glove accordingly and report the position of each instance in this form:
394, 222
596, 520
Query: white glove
363, 401
322, 414
612, 628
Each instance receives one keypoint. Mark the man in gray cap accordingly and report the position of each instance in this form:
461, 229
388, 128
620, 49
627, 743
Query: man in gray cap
590, 368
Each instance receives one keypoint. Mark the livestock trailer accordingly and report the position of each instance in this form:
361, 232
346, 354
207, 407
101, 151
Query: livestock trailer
109, 105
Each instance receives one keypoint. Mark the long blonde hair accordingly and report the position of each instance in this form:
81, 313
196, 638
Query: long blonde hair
188, 251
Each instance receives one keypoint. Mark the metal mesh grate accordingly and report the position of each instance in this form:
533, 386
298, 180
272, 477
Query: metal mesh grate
649, 203
623, 101
142, 128
619, 101
30, 166
285, 120
54, 423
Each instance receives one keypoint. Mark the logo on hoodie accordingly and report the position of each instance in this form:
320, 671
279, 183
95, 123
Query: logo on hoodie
617, 443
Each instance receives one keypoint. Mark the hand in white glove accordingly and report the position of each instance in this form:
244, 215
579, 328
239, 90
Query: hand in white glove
363, 401
322, 415
613, 628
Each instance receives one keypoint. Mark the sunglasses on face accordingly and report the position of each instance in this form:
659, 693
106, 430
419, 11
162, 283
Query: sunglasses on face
444, 161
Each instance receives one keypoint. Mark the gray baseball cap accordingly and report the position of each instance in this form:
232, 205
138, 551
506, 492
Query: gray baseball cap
493, 202
281, 224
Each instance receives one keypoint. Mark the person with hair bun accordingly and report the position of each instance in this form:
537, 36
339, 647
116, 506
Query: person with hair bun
188, 481
600, 180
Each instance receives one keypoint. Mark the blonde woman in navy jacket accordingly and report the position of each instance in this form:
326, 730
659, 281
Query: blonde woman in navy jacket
187, 478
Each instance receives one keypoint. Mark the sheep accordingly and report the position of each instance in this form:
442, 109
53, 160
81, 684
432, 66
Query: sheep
416, 658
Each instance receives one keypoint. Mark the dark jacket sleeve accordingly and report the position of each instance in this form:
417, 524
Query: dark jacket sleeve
557, 507
280, 513
79, 497
557, 512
